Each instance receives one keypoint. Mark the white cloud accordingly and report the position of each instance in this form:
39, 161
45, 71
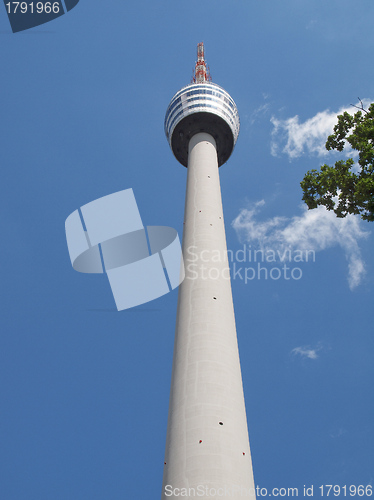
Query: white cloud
261, 110
294, 138
307, 351
313, 230
337, 432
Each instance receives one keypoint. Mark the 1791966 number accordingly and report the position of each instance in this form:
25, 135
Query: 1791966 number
37, 7
352, 490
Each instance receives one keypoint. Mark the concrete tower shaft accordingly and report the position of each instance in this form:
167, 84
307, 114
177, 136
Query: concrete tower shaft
207, 446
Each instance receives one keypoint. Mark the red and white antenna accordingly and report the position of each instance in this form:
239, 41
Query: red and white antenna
201, 73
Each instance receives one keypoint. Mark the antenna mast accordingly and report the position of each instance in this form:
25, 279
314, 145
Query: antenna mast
201, 73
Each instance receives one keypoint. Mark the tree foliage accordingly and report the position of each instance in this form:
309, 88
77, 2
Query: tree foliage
342, 188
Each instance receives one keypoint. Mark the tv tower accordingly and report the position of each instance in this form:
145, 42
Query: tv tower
207, 448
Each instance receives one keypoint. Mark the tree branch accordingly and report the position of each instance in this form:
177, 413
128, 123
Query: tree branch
361, 108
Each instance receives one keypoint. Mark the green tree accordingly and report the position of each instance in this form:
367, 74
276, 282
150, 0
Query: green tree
340, 188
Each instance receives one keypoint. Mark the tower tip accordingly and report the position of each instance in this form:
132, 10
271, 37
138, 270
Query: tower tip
201, 72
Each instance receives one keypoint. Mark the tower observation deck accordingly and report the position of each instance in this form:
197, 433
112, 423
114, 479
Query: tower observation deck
202, 106
207, 447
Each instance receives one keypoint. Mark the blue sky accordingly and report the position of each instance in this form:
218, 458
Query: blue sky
84, 389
